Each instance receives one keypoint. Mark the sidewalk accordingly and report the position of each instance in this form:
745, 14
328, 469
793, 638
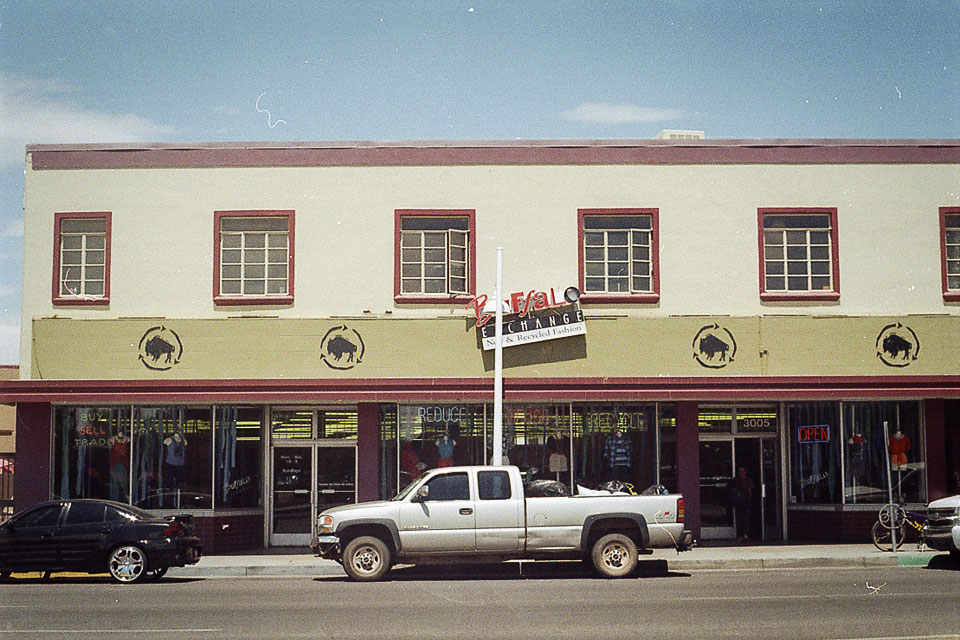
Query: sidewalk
299, 562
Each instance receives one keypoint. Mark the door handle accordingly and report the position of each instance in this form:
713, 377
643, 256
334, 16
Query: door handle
466, 511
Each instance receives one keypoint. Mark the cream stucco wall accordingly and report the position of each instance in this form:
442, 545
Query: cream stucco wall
162, 257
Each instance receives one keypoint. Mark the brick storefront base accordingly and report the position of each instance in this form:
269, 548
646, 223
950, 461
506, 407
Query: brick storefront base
835, 526
223, 533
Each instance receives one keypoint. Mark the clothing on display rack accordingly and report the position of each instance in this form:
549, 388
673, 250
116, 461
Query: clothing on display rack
618, 454
445, 447
899, 445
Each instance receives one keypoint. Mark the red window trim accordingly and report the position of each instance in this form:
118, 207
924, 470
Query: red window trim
419, 298
64, 301
264, 300
811, 296
948, 295
621, 298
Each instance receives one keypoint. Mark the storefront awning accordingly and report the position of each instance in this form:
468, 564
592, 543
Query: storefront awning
516, 389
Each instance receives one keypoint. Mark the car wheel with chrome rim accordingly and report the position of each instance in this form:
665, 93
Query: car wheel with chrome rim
127, 563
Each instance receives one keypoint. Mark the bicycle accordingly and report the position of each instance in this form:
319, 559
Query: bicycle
896, 517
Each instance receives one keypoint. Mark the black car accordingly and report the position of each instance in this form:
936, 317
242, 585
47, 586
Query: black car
96, 536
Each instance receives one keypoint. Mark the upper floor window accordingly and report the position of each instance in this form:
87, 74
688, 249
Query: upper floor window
435, 255
253, 263
798, 255
950, 252
81, 257
619, 255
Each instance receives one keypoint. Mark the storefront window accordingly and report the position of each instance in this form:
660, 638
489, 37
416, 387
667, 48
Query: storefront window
866, 452
172, 448
92, 453
814, 432
339, 424
293, 424
438, 436
668, 448
536, 439
615, 442
306, 424
389, 453
713, 420
546, 441
239, 462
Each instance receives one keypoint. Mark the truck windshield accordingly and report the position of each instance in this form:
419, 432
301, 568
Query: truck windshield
406, 491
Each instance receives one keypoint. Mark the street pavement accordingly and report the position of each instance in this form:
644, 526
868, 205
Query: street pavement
551, 600
279, 562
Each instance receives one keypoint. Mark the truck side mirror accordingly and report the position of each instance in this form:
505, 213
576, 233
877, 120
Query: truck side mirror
423, 493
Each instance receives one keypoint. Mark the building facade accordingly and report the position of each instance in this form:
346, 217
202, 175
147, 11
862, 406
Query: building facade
253, 331
8, 446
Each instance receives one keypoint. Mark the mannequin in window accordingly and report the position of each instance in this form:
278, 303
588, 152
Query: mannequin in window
558, 445
899, 445
445, 446
175, 459
857, 447
618, 454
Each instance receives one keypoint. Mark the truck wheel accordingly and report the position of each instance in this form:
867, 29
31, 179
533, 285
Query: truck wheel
614, 555
366, 559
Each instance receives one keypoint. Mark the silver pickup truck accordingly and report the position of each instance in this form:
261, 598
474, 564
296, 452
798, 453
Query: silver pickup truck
480, 514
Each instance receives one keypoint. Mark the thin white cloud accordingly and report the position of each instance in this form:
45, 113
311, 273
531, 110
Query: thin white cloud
36, 111
607, 113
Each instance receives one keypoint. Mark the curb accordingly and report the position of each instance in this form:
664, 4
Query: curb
654, 566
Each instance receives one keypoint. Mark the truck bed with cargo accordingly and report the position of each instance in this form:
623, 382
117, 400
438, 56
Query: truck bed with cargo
481, 514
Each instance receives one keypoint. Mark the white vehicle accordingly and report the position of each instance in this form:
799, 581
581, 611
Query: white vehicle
942, 530
480, 514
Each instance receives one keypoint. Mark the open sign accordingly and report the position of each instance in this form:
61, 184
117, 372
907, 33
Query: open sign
812, 434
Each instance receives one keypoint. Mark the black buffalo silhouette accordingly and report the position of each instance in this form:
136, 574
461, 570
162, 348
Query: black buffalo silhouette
894, 345
157, 347
711, 345
338, 345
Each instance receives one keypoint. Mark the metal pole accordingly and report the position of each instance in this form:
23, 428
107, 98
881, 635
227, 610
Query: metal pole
892, 507
498, 366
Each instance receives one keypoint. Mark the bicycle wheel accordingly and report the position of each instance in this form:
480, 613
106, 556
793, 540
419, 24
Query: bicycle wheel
890, 512
883, 536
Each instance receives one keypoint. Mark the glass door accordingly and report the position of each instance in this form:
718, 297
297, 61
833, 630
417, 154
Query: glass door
716, 470
292, 512
306, 480
770, 488
313, 466
336, 476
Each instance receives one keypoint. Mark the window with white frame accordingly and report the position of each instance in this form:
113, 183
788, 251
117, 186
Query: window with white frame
83, 252
951, 250
799, 252
434, 255
255, 256
618, 254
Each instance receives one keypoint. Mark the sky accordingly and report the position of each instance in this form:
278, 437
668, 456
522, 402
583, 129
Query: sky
172, 71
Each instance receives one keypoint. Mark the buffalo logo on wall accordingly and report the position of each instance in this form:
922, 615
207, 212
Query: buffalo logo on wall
714, 346
897, 345
341, 348
160, 348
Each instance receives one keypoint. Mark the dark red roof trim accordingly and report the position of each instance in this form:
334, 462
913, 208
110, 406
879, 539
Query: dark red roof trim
541, 152
476, 389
